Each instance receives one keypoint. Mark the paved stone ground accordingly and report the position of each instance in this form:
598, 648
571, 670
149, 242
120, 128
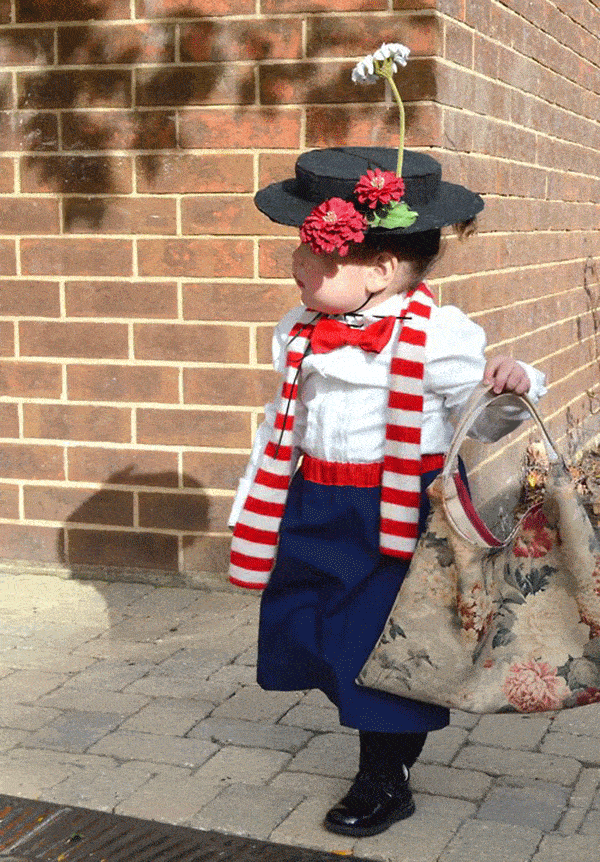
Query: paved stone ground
143, 701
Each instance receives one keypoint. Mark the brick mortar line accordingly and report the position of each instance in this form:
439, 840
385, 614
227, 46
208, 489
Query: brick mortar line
165, 448
453, 66
111, 528
507, 10
537, 299
456, 280
257, 237
133, 405
248, 16
186, 280
548, 356
534, 332
207, 152
590, 338
78, 485
125, 321
545, 133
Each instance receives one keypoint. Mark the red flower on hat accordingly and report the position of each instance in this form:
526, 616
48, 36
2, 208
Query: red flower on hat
379, 188
332, 226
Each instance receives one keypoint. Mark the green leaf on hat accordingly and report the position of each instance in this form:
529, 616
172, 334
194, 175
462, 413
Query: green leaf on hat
373, 220
398, 216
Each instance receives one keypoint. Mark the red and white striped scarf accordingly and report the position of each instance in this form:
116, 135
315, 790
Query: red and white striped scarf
255, 537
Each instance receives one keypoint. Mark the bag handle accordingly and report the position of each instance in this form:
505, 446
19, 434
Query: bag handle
481, 397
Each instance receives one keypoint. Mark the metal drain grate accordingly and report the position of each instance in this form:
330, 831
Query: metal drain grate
32, 831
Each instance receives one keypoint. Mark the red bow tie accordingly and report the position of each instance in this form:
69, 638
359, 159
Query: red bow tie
330, 334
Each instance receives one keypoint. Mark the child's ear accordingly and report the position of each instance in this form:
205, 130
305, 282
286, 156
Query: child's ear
383, 271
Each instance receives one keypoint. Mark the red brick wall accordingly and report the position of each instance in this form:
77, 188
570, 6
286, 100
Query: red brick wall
138, 285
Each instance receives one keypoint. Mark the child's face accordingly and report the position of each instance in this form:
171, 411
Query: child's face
330, 284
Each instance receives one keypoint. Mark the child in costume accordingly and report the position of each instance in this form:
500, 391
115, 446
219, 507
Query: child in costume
334, 497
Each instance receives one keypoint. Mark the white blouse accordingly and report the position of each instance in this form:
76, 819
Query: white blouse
342, 401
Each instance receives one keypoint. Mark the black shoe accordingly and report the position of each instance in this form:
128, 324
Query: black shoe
371, 806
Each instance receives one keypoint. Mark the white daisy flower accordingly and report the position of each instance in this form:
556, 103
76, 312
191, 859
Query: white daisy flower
384, 63
397, 52
364, 72
369, 68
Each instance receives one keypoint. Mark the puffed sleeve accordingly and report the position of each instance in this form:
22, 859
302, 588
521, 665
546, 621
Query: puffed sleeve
265, 429
455, 362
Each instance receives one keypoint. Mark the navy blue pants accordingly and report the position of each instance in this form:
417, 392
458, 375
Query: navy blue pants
327, 601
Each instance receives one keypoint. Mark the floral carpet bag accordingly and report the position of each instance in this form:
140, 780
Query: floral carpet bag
485, 625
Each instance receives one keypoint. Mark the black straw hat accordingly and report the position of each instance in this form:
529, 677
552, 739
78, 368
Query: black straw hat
333, 173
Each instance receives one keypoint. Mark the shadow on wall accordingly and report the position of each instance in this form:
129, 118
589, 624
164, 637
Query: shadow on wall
165, 81
138, 527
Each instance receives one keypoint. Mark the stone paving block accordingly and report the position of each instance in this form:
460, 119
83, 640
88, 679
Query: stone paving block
315, 718
446, 781
571, 821
244, 810
26, 686
234, 674
65, 636
193, 662
249, 656
208, 604
468, 720
420, 838
254, 704
511, 731
169, 798
36, 757
242, 765
118, 596
10, 738
539, 806
106, 648
333, 754
304, 827
307, 784
249, 733
129, 745
143, 629
196, 686
101, 791
583, 720
73, 731
315, 697
494, 842
572, 848
520, 764
582, 797
161, 602
23, 778
109, 675
9, 641
584, 748
44, 659
591, 823
168, 717
93, 701
584, 792
25, 717
442, 745
208, 631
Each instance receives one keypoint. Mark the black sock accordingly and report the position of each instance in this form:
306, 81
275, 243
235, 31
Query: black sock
384, 753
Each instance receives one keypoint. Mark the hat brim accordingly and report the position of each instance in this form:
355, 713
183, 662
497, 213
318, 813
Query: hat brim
451, 205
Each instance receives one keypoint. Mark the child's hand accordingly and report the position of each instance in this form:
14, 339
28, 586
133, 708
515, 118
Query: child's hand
504, 374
